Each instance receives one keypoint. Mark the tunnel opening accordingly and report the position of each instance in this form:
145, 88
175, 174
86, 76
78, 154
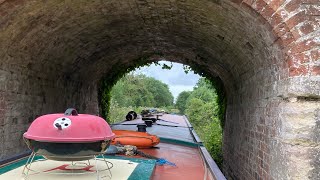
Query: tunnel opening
107, 82
135, 91
53, 54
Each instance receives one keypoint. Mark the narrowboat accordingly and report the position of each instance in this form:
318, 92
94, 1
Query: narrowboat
70, 146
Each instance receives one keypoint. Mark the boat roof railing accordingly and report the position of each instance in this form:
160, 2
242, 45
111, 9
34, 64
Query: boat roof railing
215, 170
5, 161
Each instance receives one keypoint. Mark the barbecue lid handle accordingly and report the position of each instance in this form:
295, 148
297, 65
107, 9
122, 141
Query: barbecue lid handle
71, 111
58, 126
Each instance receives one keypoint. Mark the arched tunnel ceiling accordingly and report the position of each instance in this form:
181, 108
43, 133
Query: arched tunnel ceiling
87, 39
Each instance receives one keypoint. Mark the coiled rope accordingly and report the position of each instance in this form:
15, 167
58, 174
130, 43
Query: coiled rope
130, 150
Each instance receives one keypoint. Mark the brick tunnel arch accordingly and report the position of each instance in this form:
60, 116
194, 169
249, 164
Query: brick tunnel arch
53, 54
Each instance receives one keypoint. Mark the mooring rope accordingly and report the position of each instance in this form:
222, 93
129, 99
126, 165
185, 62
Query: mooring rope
130, 150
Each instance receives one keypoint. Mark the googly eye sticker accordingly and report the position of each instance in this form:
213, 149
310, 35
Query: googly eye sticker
62, 123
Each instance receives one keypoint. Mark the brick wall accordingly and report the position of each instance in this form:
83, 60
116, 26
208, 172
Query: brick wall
53, 53
26, 94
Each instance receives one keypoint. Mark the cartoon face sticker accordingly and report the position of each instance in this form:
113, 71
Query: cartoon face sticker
62, 123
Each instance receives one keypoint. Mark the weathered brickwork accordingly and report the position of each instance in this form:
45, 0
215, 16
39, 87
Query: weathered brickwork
26, 96
53, 54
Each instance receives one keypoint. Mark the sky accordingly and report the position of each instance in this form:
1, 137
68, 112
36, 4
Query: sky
176, 78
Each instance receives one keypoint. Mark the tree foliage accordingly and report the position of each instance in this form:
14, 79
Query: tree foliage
202, 107
160, 91
140, 90
182, 101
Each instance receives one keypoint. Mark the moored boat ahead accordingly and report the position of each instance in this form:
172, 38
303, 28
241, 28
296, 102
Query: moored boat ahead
179, 155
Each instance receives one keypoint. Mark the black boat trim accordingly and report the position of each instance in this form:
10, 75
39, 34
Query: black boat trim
213, 167
14, 158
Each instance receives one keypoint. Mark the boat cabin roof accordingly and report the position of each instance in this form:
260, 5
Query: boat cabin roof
178, 145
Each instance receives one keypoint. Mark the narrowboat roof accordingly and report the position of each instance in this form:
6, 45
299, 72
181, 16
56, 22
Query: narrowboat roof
179, 145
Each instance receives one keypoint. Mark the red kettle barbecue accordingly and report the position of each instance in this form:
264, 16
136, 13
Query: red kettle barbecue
69, 136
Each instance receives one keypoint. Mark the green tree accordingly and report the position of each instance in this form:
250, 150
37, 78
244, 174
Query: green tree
202, 109
132, 91
204, 91
160, 92
182, 101
140, 90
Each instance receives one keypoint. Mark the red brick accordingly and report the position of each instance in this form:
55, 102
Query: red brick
295, 34
267, 12
312, 10
276, 19
298, 71
279, 43
307, 28
287, 39
260, 19
315, 55
248, 2
302, 46
259, 5
280, 30
292, 5
275, 4
298, 59
315, 70
296, 19
295, 4
310, 1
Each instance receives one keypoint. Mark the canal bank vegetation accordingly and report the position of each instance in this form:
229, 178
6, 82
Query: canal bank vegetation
138, 92
202, 108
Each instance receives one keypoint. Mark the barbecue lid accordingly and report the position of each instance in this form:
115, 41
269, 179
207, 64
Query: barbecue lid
69, 127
